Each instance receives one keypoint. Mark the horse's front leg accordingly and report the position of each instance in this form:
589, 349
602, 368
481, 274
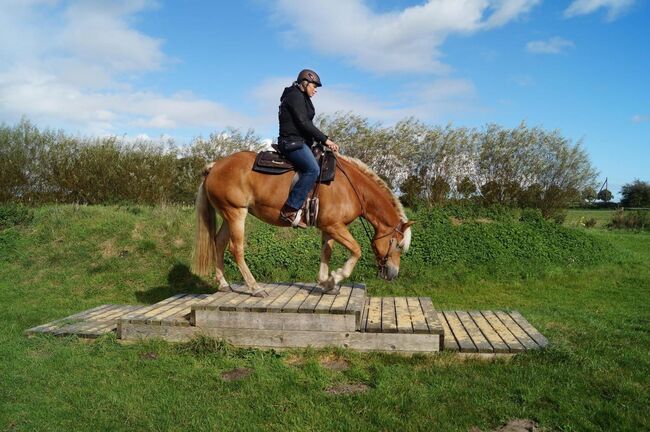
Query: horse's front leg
326, 254
341, 235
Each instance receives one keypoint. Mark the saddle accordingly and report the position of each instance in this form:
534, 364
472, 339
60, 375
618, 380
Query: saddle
273, 162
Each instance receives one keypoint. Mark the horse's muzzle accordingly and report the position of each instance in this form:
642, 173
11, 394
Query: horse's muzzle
389, 272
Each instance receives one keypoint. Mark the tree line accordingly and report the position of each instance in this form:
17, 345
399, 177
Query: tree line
426, 165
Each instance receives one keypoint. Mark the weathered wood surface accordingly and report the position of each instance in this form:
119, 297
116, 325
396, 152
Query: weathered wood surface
282, 339
300, 315
297, 306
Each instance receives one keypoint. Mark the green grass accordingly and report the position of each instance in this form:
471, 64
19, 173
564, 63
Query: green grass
576, 218
594, 375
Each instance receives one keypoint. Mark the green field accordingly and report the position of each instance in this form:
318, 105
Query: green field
578, 217
586, 290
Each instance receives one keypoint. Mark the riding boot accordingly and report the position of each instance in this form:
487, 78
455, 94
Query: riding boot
292, 216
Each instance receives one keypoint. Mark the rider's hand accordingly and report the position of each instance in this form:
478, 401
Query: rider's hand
332, 145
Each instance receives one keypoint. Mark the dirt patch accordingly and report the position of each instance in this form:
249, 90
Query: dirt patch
344, 389
236, 374
179, 243
108, 249
515, 425
455, 221
484, 220
136, 234
334, 363
294, 360
149, 355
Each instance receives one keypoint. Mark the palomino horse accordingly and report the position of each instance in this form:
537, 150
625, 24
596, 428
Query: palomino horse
234, 190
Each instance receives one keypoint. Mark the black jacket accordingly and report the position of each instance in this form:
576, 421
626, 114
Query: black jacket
295, 115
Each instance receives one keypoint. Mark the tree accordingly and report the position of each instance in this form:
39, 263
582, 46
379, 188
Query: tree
636, 194
605, 195
466, 187
589, 194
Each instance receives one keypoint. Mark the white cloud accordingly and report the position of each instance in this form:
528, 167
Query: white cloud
554, 45
403, 41
72, 64
638, 118
615, 8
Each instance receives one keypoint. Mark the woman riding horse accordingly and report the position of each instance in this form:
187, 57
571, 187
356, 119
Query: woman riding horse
297, 135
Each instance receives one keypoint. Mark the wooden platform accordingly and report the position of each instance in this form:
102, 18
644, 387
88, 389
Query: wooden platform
300, 315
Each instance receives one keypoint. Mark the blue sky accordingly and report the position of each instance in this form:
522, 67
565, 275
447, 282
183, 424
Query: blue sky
187, 68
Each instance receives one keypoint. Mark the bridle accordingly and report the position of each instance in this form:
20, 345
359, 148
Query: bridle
382, 261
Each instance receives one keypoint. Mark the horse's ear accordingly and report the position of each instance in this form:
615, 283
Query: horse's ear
408, 224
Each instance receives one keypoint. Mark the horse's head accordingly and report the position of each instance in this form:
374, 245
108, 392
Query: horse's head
389, 247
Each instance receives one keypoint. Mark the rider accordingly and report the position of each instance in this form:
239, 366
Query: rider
297, 135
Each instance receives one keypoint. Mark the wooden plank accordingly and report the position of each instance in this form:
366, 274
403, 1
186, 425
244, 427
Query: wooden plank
277, 321
430, 315
325, 303
340, 304
356, 304
373, 324
304, 290
502, 331
361, 325
277, 304
76, 317
251, 301
388, 321
179, 315
263, 304
474, 332
464, 341
529, 329
279, 339
519, 333
450, 342
492, 336
418, 320
404, 324
309, 305
231, 304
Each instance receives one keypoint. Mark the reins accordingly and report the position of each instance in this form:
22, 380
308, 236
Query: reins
384, 259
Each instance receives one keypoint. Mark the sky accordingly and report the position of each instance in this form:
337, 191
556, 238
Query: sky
187, 68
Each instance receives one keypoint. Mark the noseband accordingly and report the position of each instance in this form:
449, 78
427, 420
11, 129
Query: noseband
383, 261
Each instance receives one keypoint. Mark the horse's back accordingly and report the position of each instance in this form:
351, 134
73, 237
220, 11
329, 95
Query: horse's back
232, 182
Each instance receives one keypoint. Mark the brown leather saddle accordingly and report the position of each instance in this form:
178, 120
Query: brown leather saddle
273, 162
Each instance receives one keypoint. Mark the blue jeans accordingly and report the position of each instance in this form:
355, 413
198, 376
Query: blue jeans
305, 162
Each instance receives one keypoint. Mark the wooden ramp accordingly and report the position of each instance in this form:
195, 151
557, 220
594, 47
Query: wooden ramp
300, 315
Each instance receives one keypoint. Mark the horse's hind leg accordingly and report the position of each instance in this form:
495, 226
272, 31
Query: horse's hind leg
236, 219
223, 236
326, 254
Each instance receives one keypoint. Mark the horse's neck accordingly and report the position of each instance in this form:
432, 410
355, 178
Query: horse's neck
378, 204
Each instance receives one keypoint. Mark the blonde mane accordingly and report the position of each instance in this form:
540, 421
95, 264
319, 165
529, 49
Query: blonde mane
380, 182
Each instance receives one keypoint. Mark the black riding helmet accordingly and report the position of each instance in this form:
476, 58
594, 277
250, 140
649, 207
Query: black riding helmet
309, 76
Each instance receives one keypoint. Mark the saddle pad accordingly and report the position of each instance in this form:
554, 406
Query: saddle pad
270, 162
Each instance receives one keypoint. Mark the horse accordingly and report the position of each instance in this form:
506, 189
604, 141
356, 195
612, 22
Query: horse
231, 188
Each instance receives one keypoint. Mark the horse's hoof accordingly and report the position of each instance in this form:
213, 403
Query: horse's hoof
225, 288
259, 293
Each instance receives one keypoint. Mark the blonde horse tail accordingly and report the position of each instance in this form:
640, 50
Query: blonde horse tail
204, 253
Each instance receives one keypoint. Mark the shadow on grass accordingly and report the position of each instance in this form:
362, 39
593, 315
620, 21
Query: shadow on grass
179, 280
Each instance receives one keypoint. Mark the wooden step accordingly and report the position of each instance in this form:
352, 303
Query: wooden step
292, 307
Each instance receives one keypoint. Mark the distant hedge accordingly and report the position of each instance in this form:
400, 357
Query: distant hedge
520, 167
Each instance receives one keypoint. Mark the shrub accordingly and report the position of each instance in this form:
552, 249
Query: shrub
14, 215
590, 223
638, 220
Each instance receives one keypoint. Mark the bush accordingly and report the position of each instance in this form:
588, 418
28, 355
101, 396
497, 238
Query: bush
14, 215
590, 223
637, 220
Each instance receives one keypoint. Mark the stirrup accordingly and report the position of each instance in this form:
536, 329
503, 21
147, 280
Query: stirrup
297, 219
